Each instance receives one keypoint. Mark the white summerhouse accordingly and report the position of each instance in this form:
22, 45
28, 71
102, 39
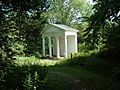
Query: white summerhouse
62, 40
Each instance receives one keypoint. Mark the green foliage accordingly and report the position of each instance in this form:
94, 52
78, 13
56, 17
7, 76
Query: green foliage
27, 77
6, 51
86, 47
104, 23
33, 33
14, 17
68, 11
19, 48
108, 53
71, 13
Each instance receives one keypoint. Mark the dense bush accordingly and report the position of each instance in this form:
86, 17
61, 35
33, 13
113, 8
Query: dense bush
17, 22
85, 47
26, 77
109, 53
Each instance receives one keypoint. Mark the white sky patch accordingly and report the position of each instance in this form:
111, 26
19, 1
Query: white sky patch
90, 1
118, 13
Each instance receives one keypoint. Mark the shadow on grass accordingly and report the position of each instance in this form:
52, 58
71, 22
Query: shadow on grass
104, 67
97, 73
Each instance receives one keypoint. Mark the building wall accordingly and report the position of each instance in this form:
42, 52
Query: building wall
62, 46
71, 44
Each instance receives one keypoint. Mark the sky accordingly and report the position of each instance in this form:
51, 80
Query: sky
91, 2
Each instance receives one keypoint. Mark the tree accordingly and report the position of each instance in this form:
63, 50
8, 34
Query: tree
12, 29
105, 24
33, 35
71, 13
68, 11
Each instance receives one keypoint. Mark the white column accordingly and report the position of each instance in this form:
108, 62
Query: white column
75, 43
50, 47
43, 44
58, 48
65, 46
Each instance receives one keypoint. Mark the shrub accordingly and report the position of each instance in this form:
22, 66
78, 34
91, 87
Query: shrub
109, 53
6, 64
86, 47
116, 76
26, 77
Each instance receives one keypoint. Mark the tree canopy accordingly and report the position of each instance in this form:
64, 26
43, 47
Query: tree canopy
18, 23
104, 23
72, 13
68, 11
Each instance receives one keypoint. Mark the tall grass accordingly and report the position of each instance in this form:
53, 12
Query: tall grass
34, 60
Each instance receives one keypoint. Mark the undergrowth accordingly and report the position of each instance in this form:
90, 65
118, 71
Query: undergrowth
26, 77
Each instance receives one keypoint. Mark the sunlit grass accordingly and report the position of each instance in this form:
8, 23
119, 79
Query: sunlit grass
33, 60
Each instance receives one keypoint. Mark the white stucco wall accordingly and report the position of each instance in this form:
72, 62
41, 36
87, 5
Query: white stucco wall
62, 45
71, 44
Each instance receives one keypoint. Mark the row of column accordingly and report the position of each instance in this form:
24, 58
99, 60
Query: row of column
57, 44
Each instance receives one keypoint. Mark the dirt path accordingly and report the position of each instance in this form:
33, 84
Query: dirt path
74, 84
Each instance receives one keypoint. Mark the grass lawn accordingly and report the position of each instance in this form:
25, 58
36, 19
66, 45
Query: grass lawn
33, 60
64, 77
88, 79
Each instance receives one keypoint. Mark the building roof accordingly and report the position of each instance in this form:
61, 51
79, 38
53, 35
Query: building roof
64, 27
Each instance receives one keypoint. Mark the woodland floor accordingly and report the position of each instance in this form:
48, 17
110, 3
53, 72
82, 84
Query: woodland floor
74, 84
63, 77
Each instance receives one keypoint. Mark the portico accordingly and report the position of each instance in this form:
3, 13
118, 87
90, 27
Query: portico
62, 40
